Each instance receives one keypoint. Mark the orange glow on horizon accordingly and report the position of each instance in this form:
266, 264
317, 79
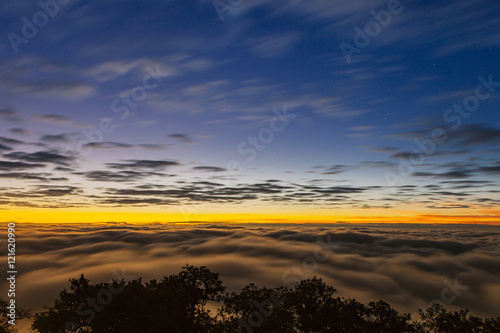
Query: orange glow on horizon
352, 216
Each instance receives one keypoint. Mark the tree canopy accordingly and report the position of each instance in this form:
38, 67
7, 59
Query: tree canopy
180, 303
20, 314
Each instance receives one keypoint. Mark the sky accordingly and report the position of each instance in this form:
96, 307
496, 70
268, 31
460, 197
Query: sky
250, 111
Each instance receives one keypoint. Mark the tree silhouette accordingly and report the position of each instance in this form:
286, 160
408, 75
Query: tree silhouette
5, 327
437, 319
257, 310
178, 304
174, 304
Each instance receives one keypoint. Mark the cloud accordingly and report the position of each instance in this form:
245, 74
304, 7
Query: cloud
249, 101
205, 192
52, 118
118, 201
43, 177
4, 147
405, 265
378, 164
56, 191
181, 137
119, 145
12, 166
334, 107
10, 115
467, 135
9, 141
113, 69
122, 176
197, 65
383, 149
42, 191
52, 138
336, 169
41, 157
20, 131
461, 184
205, 168
346, 13
194, 194
361, 128
476, 134
108, 145
272, 46
35, 76
216, 188
407, 155
56, 119
462, 170
143, 164
416, 26
316, 193
456, 174
491, 170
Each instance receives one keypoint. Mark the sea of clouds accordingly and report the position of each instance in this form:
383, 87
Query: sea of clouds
407, 266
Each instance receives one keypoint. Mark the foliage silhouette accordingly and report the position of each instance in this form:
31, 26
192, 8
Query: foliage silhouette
179, 303
5, 327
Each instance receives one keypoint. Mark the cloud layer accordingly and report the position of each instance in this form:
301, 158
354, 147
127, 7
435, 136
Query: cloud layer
405, 265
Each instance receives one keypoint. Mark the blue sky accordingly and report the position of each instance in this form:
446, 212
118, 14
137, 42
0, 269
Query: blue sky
221, 79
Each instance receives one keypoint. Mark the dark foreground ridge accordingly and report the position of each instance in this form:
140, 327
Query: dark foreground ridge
179, 303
